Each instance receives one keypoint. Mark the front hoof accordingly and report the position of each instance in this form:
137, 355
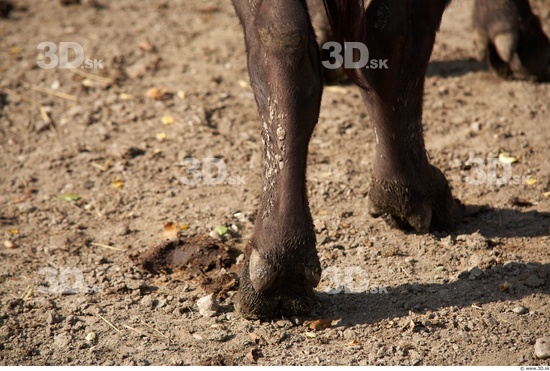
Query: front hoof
268, 292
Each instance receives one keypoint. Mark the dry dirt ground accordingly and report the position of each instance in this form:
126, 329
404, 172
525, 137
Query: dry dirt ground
72, 292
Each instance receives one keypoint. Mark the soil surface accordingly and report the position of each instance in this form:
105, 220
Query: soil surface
91, 177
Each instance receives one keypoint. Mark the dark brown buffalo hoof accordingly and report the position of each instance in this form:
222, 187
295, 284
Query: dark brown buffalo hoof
511, 40
423, 204
269, 288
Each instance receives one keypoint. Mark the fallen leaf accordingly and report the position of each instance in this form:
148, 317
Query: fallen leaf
15, 50
161, 136
170, 231
184, 226
530, 181
546, 194
507, 158
319, 324
220, 229
158, 94
353, 342
13, 231
117, 184
168, 120
69, 197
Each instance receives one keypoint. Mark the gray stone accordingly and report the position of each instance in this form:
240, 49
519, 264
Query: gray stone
542, 348
207, 306
520, 310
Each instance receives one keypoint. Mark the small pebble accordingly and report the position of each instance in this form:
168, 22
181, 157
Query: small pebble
520, 310
475, 126
215, 235
9, 244
41, 126
26, 207
207, 306
62, 340
90, 337
542, 348
122, 230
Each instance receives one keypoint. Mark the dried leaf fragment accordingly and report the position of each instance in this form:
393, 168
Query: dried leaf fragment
158, 94
319, 324
170, 231
168, 120
507, 158
161, 136
117, 184
69, 197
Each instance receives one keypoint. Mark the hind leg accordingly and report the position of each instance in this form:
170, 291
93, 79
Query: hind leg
511, 40
281, 266
405, 188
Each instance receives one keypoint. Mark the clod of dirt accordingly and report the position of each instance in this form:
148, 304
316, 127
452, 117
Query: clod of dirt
542, 348
253, 355
208, 307
208, 261
218, 360
69, 2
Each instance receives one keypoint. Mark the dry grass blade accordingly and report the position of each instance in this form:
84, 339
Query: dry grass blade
154, 329
135, 330
107, 247
91, 76
43, 112
109, 323
54, 93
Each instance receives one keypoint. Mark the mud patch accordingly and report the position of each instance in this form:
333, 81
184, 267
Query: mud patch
209, 262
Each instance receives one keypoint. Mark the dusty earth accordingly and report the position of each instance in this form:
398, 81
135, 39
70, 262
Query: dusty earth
90, 172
